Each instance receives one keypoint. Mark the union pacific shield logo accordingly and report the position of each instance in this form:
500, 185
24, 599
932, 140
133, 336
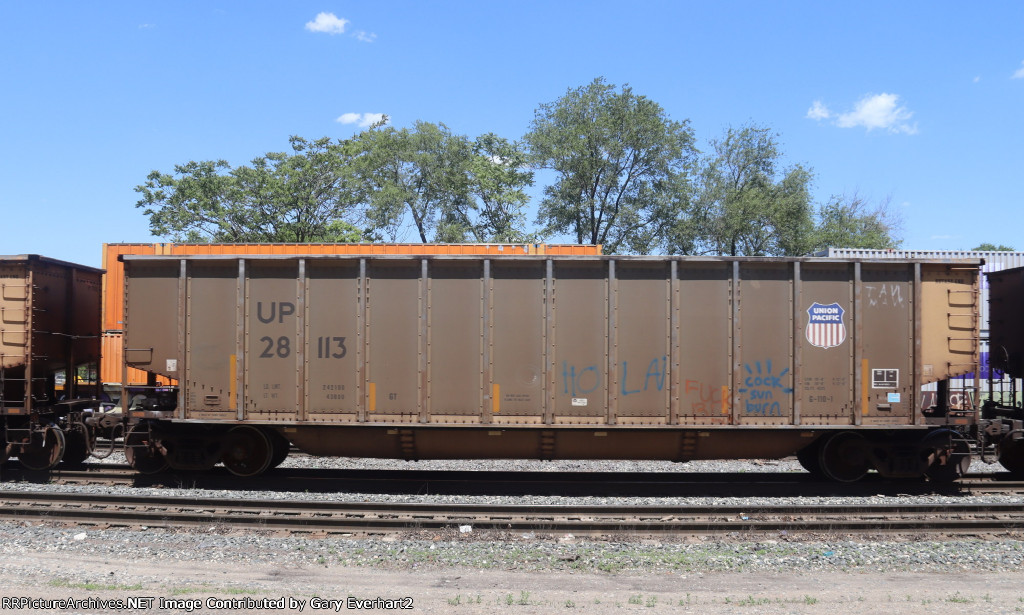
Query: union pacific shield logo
825, 326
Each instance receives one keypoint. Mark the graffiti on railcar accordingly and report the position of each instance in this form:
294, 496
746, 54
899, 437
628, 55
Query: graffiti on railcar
706, 398
761, 386
890, 295
578, 381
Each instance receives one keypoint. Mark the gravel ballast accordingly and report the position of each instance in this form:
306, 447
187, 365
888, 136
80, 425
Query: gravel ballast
683, 572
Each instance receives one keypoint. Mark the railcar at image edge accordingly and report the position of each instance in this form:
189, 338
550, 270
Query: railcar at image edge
49, 360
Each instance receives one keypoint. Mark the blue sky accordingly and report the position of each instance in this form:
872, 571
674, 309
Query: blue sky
919, 103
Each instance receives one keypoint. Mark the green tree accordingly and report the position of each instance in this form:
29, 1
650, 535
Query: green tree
849, 222
419, 173
991, 247
746, 203
307, 195
498, 177
615, 155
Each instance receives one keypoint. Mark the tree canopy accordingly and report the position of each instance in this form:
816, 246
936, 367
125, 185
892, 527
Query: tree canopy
991, 247
849, 222
453, 189
304, 196
747, 204
625, 175
444, 186
615, 154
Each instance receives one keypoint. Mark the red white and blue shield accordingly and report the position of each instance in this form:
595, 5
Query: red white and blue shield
825, 326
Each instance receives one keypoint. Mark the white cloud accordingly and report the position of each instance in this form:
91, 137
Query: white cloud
363, 120
328, 23
879, 111
871, 112
818, 111
1020, 72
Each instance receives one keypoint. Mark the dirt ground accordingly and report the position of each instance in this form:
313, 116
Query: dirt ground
196, 587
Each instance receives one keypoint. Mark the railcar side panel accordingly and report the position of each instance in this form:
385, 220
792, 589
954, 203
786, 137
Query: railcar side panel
825, 345
395, 341
702, 342
274, 338
210, 340
949, 334
152, 341
333, 338
580, 343
516, 349
762, 374
16, 300
454, 330
886, 365
641, 335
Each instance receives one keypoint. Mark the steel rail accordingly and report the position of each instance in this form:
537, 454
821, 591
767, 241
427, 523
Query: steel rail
368, 517
635, 483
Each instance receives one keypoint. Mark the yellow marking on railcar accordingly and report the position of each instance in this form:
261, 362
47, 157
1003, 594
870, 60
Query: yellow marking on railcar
864, 387
725, 399
495, 399
372, 392
233, 382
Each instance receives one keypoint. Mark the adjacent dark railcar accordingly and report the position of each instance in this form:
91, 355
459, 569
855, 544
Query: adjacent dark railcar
1006, 320
1004, 416
551, 357
49, 359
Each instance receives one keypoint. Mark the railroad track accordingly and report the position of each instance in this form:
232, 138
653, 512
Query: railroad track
372, 518
434, 482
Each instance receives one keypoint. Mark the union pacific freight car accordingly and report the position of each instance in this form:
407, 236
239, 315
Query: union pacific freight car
551, 357
49, 359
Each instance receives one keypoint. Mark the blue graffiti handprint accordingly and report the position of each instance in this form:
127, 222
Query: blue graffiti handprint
761, 387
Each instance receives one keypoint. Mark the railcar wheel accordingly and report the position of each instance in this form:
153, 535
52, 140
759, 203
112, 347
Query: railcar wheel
948, 456
141, 451
808, 458
1011, 454
78, 447
281, 446
843, 457
44, 450
247, 451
